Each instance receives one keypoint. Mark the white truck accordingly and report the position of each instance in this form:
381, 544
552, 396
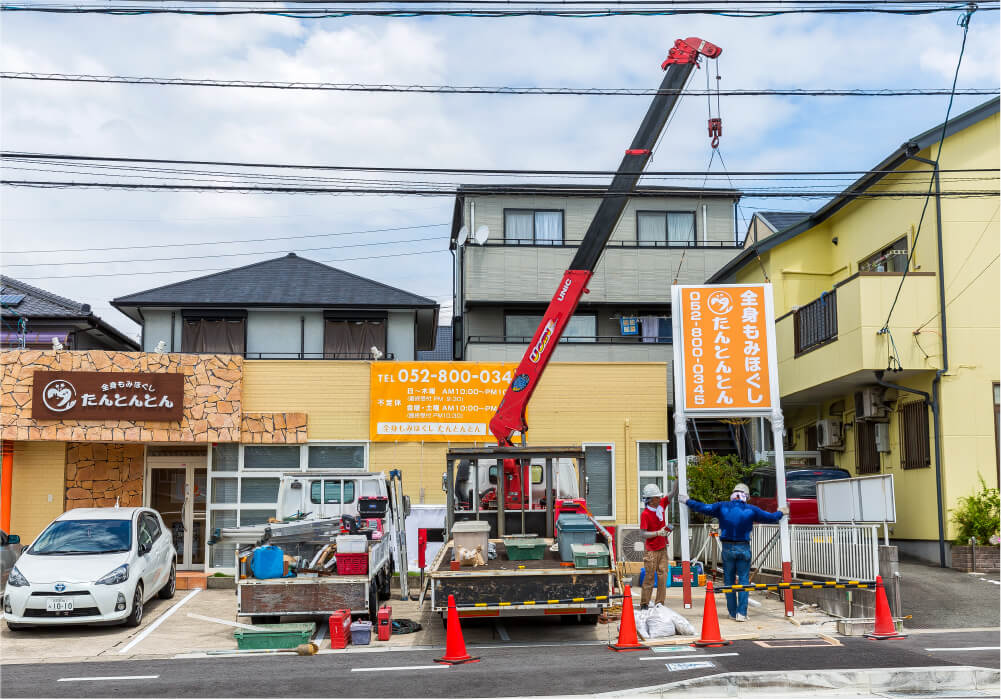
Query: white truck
314, 503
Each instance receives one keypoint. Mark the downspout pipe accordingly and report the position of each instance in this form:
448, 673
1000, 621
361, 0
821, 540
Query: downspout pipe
912, 149
932, 402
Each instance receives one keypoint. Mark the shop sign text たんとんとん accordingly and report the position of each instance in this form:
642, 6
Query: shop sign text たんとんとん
96, 395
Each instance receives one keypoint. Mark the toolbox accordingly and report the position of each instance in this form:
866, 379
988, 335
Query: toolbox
340, 628
573, 529
274, 636
351, 543
385, 617
352, 563
471, 535
361, 632
524, 548
589, 556
374, 506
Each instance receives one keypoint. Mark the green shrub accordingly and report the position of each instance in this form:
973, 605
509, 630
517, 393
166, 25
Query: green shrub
711, 477
978, 516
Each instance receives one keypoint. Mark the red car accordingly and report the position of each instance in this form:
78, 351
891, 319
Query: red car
801, 491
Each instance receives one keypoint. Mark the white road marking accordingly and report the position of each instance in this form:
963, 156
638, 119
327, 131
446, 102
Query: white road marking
501, 631
960, 650
107, 679
401, 667
995, 582
163, 617
710, 655
680, 667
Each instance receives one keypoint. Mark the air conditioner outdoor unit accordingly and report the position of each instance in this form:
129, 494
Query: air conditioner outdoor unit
630, 544
869, 404
829, 434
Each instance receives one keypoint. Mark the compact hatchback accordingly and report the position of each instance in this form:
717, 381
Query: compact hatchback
92, 565
801, 491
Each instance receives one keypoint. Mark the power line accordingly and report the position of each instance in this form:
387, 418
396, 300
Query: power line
486, 90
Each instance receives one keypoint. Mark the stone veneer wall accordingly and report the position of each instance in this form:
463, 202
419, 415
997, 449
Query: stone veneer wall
97, 474
273, 428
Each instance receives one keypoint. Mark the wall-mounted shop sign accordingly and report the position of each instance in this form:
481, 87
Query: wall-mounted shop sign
97, 395
435, 401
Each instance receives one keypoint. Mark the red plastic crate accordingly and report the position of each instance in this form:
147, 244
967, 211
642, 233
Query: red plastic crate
340, 628
352, 563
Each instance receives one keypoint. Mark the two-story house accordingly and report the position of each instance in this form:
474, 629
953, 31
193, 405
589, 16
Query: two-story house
887, 325
286, 308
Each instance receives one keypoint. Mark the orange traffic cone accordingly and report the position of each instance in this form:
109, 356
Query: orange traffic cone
711, 636
628, 640
885, 629
455, 646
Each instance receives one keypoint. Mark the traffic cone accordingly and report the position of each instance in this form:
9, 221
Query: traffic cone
628, 640
455, 646
885, 629
711, 636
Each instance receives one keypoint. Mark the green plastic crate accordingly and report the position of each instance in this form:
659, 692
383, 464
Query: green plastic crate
274, 636
520, 548
590, 556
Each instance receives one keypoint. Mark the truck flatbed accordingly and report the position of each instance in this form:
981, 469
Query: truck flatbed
550, 560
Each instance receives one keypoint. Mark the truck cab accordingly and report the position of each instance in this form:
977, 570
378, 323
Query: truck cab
327, 494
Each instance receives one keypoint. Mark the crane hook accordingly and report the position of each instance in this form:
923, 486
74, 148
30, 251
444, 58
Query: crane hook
715, 131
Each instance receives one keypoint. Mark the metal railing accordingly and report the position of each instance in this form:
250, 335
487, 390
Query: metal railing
655, 244
575, 339
816, 323
835, 551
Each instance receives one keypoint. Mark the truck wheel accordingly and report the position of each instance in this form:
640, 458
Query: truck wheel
373, 601
264, 619
589, 619
386, 586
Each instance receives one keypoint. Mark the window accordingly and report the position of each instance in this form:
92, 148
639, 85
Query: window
220, 555
259, 490
915, 447
866, 455
600, 480
223, 332
892, 259
149, 530
336, 456
763, 485
520, 327
334, 492
665, 228
271, 458
225, 457
353, 337
225, 491
653, 464
530, 227
253, 518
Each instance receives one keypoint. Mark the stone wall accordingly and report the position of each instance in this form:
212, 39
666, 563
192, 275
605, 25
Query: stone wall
985, 559
97, 474
273, 428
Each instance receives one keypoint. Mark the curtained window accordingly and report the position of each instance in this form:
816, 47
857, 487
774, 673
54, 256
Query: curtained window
353, 338
213, 334
520, 327
665, 228
529, 227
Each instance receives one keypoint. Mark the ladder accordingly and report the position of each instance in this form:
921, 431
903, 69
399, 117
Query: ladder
399, 522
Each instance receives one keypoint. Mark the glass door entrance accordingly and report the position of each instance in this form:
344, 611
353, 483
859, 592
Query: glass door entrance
177, 492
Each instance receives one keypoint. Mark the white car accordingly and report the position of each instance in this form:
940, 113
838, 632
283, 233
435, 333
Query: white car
92, 565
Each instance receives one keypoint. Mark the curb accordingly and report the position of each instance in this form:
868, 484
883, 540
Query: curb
902, 680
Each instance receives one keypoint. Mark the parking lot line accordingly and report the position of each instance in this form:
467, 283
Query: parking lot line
163, 618
401, 667
960, 650
107, 679
691, 657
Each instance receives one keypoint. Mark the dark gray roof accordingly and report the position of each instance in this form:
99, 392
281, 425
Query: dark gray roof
289, 281
39, 304
442, 351
780, 220
892, 161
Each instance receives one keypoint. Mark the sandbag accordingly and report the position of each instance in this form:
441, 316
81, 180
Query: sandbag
659, 623
682, 626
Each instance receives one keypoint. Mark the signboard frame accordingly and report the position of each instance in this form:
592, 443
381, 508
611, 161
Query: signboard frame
772, 411
105, 395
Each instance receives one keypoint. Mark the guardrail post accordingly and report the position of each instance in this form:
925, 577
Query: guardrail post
837, 554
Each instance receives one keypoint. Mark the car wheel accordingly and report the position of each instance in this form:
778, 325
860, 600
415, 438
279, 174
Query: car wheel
135, 617
168, 590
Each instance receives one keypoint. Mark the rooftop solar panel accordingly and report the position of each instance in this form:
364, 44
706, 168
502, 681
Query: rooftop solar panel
11, 299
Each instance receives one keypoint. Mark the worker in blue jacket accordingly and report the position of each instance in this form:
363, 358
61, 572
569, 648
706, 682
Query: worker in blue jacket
736, 517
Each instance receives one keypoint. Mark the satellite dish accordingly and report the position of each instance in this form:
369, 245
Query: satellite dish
481, 235
462, 237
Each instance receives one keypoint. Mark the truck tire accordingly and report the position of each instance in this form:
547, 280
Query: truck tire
264, 619
373, 601
386, 586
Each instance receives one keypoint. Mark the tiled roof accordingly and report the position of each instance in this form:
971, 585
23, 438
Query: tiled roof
442, 351
38, 302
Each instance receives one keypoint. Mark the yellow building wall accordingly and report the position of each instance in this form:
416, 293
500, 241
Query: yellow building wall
38, 487
575, 403
801, 268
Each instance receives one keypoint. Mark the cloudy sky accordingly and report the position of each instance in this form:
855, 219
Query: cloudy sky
761, 133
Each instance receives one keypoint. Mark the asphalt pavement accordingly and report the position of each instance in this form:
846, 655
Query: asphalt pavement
505, 669
943, 598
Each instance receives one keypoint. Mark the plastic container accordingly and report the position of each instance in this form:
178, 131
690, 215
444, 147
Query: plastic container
352, 563
361, 633
590, 556
373, 506
352, 543
521, 548
698, 575
340, 628
573, 529
274, 636
385, 617
470, 535
267, 562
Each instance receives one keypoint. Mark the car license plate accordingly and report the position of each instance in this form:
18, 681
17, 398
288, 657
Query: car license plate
58, 605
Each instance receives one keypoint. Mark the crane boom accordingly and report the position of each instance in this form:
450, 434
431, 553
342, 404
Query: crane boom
510, 416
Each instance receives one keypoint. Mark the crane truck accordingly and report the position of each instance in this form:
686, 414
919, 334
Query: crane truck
517, 488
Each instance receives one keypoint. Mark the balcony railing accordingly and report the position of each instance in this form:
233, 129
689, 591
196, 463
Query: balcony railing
573, 243
816, 323
356, 356
576, 340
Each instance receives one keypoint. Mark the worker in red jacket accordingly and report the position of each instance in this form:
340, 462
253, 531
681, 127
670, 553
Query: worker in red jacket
655, 531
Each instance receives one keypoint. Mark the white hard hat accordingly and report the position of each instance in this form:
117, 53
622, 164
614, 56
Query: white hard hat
741, 488
652, 491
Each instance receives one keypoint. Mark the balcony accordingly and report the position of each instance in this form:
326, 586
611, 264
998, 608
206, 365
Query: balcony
626, 273
576, 349
831, 345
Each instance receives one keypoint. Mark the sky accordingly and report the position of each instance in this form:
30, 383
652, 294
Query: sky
420, 130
